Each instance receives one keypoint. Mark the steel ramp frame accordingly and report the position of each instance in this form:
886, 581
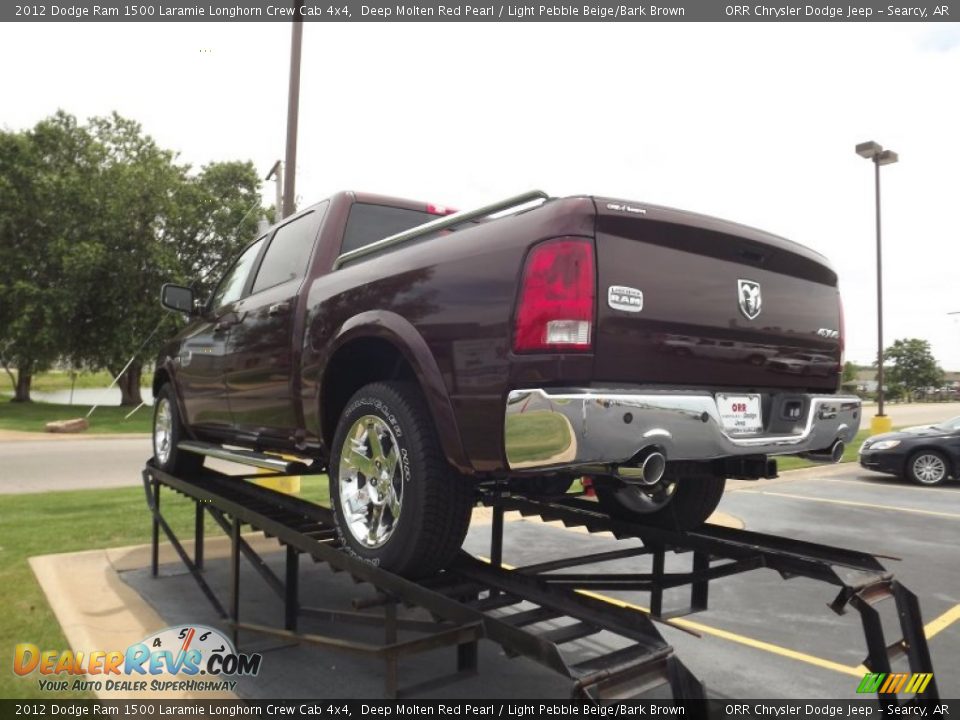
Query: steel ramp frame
475, 599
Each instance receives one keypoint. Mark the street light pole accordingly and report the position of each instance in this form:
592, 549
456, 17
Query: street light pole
875, 152
293, 111
876, 174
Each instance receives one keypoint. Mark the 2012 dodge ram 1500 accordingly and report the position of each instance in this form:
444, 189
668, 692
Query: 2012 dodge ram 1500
414, 354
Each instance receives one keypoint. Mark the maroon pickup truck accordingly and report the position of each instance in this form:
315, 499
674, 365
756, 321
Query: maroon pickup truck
413, 354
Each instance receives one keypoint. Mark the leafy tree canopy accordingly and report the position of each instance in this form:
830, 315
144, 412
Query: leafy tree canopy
93, 220
912, 366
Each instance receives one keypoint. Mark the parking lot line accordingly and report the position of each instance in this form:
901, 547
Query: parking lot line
890, 486
737, 638
942, 622
931, 629
854, 503
723, 634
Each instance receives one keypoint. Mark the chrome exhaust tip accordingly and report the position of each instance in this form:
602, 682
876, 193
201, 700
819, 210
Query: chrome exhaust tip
650, 471
832, 454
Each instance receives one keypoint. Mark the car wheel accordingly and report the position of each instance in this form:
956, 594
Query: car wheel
397, 502
678, 503
168, 431
927, 467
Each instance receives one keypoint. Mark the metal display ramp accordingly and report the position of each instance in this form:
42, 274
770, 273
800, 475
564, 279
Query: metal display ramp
538, 611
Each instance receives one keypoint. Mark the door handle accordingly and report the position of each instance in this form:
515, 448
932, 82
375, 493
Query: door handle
281, 308
229, 320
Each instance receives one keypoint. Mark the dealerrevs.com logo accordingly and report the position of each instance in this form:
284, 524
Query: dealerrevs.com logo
186, 658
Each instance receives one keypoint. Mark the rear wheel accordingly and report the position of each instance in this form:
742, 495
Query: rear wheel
678, 503
927, 467
168, 431
397, 502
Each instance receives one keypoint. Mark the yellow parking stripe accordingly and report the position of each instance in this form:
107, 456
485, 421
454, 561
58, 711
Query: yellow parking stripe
875, 506
930, 629
737, 638
943, 622
724, 634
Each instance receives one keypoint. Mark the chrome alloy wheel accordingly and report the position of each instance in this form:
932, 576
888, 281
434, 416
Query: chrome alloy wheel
371, 481
929, 469
163, 431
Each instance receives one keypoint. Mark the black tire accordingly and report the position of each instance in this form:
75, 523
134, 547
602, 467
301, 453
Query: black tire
432, 499
928, 467
694, 500
169, 457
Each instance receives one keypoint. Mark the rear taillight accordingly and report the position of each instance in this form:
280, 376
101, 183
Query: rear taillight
557, 297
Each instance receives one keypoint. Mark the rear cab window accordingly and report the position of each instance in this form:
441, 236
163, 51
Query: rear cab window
368, 223
288, 256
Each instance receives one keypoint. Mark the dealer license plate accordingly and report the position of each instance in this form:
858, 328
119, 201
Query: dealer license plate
740, 414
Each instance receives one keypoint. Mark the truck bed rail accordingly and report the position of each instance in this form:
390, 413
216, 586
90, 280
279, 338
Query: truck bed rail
443, 223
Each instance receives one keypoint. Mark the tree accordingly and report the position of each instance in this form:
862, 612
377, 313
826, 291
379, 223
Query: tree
158, 223
912, 366
849, 372
45, 180
93, 220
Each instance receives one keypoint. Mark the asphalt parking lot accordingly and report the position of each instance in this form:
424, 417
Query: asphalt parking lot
763, 637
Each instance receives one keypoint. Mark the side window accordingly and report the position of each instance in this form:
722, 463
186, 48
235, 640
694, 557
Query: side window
289, 252
231, 286
368, 223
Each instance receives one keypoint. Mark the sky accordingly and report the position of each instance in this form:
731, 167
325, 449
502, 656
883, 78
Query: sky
750, 122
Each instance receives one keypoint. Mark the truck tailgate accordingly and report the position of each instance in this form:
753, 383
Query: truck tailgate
688, 300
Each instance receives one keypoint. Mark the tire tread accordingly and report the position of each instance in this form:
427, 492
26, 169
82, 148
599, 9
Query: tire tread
447, 496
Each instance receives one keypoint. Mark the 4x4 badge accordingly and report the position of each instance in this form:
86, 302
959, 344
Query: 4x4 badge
748, 292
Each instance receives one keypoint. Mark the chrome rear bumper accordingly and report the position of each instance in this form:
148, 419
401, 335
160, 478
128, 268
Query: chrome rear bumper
546, 429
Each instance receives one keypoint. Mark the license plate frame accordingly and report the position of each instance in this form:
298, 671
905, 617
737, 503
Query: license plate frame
740, 413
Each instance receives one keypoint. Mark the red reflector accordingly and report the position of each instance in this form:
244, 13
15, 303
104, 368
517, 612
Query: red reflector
440, 210
557, 298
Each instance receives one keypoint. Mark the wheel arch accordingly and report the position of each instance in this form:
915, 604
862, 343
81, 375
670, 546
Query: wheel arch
381, 345
164, 373
161, 376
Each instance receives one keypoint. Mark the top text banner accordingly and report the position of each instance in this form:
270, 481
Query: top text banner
367, 11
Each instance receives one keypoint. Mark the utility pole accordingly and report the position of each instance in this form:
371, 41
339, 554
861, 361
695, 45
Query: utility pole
293, 111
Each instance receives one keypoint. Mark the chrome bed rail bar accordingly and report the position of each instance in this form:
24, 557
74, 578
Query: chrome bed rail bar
442, 223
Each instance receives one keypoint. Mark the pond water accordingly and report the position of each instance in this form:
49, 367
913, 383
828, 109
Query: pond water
87, 396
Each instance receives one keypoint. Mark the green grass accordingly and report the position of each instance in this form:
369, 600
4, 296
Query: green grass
57, 522
849, 455
537, 434
31, 417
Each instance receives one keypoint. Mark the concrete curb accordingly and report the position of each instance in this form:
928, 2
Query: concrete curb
97, 610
